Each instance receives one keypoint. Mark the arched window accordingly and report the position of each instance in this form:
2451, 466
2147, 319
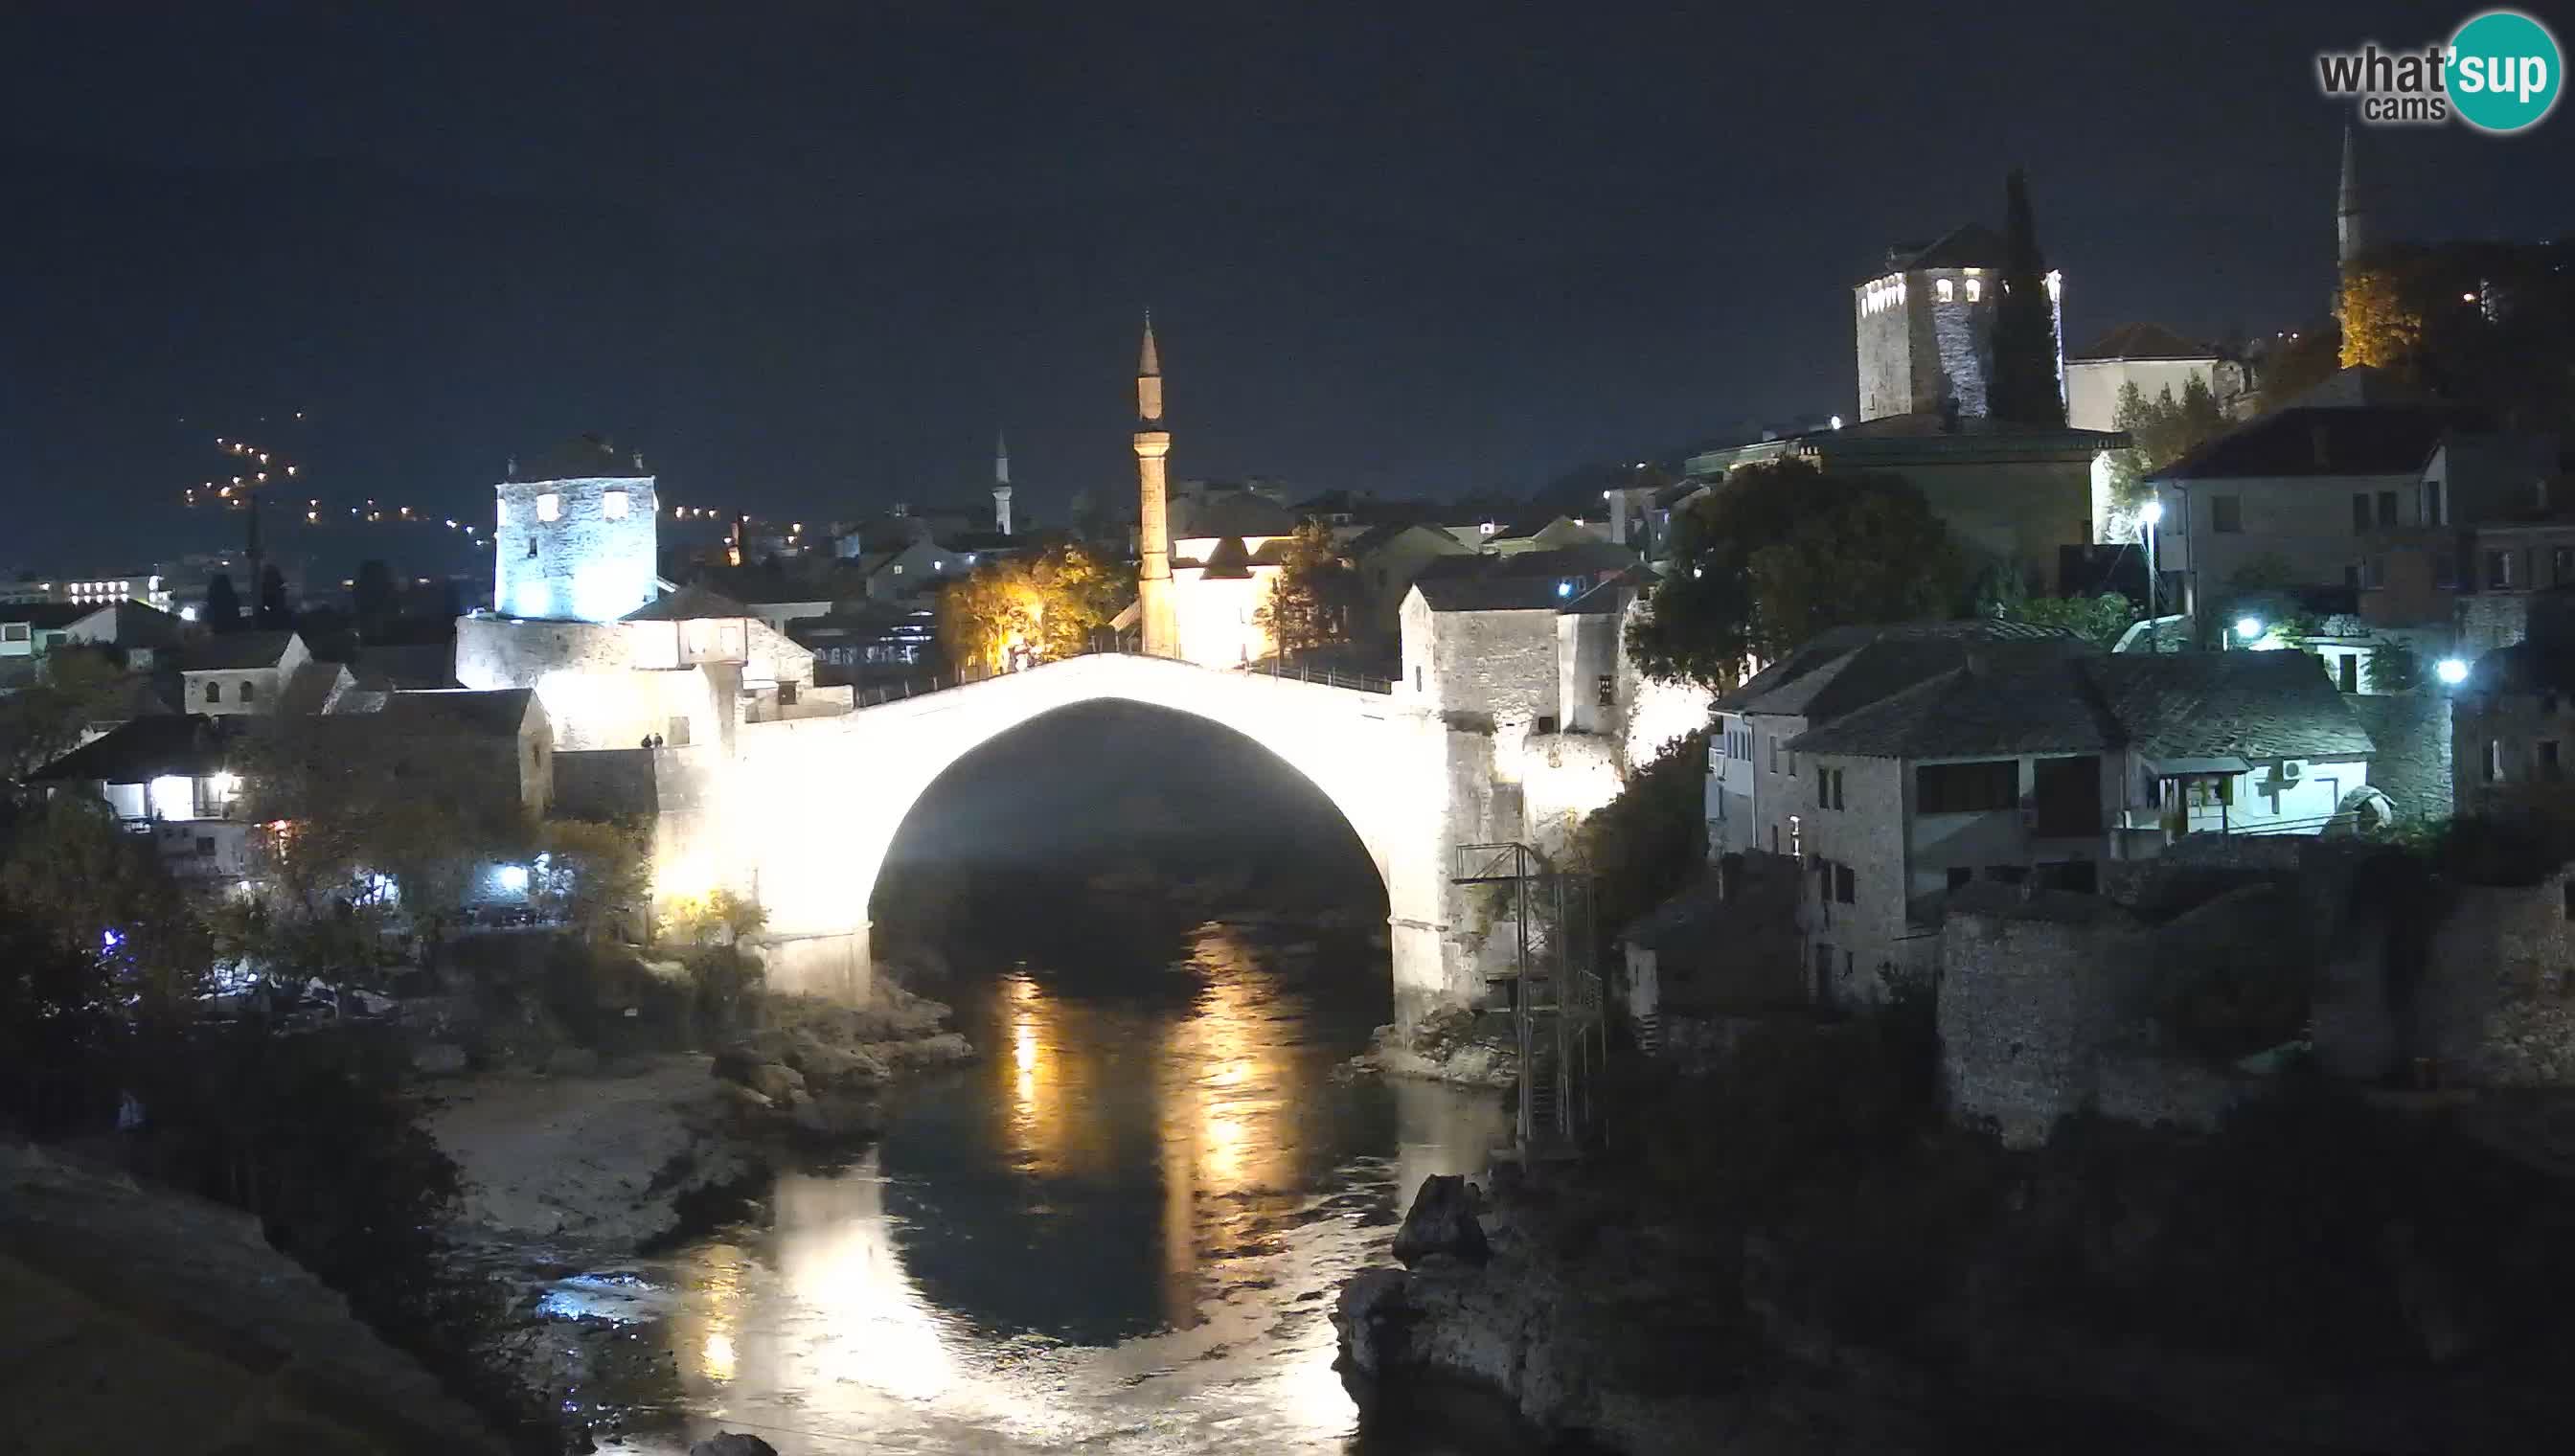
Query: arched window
214, 691
1947, 289
1975, 289
249, 690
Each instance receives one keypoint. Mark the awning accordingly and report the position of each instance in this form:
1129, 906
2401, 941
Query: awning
2183, 767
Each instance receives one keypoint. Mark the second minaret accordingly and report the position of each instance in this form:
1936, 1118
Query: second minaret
1157, 621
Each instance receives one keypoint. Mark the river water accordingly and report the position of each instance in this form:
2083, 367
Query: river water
1120, 1230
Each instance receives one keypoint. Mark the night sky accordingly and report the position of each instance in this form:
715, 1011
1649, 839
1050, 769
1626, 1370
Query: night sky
809, 258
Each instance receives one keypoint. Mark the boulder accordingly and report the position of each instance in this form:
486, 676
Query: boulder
743, 1099
943, 1049
437, 1059
822, 1064
1369, 1318
732, 1443
777, 1081
736, 1063
1442, 1223
836, 1117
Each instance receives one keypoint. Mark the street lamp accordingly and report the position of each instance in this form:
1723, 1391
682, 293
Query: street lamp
2248, 627
2152, 514
2451, 670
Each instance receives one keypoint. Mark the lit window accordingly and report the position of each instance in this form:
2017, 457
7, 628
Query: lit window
1975, 290
550, 506
505, 513
612, 504
1946, 290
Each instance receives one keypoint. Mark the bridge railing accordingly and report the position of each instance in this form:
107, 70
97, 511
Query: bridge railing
896, 691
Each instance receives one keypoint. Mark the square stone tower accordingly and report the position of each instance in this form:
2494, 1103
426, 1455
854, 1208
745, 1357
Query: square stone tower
577, 535
1926, 325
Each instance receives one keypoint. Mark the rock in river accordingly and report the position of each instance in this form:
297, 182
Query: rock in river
1443, 1221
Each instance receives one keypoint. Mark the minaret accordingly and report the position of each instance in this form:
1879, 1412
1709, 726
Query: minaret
1002, 484
2351, 230
1159, 622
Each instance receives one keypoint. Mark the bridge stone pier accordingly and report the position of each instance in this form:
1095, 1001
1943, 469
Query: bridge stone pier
806, 810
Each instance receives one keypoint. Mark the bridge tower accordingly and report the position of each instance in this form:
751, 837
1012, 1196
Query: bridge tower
1158, 622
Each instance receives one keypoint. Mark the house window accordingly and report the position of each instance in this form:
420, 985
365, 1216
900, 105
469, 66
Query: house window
13, 631
1946, 290
2432, 504
1975, 289
2349, 664
550, 506
532, 548
787, 694
1842, 884
2494, 760
2226, 515
1836, 776
2561, 564
2387, 508
1608, 689
2498, 571
2374, 572
2445, 571
249, 690
205, 846
2066, 794
214, 691
2548, 764
1945, 789
2361, 511
612, 504
2210, 790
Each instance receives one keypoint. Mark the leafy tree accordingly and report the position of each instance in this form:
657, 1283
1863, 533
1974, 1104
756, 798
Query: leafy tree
1650, 839
1016, 609
374, 598
100, 898
1309, 605
2025, 387
2381, 326
222, 611
272, 600
2392, 667
2100, 619
695, 918
1782, 550
43, 722
2160, 431
595, 875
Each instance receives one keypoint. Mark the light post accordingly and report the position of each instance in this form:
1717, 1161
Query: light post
2152, 514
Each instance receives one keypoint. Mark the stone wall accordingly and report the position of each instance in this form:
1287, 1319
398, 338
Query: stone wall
2496, 1007
2029, 995
1492, 666
585, 563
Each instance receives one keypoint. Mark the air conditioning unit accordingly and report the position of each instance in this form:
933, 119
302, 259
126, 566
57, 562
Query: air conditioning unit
2289, 771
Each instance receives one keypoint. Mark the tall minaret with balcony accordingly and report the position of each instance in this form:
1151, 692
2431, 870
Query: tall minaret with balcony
1157, 618
1002, 484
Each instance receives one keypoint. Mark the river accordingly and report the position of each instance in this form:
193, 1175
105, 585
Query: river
1119, 1230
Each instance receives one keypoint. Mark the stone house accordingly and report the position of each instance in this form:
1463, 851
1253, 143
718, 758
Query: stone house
2026, 764
2512, 727
256, 673
1753, 799
1388, 560
500, 739
166, 776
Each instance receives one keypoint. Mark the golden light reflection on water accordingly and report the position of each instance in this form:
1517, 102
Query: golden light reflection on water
841, 1340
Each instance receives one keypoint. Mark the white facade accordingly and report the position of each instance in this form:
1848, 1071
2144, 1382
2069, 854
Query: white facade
574, 550
1498, 667
612, 685
2092, 385
225, 692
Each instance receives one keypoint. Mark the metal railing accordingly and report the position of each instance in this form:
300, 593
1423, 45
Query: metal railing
1557, 998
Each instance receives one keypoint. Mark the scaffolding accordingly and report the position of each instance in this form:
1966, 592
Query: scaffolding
1551, 989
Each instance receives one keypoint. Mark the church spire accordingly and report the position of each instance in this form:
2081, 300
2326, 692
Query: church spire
2351, 221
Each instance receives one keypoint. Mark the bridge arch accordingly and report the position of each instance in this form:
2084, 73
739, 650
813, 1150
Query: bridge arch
815, 804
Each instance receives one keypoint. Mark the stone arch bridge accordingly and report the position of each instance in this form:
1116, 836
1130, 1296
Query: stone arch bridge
801, 812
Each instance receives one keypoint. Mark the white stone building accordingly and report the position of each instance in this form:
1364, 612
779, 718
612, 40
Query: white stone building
257, 672
2149, 356
1925, 326
576, 536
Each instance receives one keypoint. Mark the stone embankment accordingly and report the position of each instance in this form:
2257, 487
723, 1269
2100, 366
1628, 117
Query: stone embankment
814, 1072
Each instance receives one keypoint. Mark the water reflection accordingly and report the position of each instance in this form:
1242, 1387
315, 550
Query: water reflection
1121, 1232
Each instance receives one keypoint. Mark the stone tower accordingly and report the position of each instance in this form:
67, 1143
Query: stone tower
576, 536
1157, 618
1002, 484
1925, 326
2351, 221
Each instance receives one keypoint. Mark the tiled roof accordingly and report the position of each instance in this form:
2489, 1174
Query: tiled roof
231, 651
1228, 512
409, 664
2373, 440
2142, 341
1971, 246
492, 711
311, 686
2255, 705
583, 457
1940, 646
148, 748
689, 604
1592, 559
46, 614
1490, 593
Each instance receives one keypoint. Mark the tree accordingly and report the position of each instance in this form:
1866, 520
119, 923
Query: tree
374, 598
2100, 619
1782, 551
2381, 327
222, 611
272, 600
2160, 431
2026, 389
1014, 609
2392, 667
1309, 605
595, 873
100, 898
43, 722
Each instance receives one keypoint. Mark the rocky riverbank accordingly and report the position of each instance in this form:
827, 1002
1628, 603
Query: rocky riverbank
1465, 1048
569, 1174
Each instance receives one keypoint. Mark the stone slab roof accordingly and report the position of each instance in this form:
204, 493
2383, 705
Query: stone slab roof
146, 749
234, 651
689, 604
1940, 644
581, 458
2142, 341
2373, 440
489, 711
1490, 593
2253, 706
1970, 246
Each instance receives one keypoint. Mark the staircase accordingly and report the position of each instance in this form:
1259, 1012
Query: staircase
1551, 989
